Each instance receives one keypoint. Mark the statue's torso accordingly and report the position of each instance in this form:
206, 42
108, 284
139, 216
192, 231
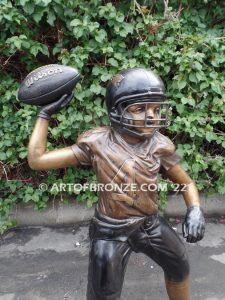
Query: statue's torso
128, 174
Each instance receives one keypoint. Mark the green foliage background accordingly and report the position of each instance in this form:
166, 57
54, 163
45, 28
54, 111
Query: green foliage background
184, 43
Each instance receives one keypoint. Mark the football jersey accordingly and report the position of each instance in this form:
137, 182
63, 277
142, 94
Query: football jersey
127, 173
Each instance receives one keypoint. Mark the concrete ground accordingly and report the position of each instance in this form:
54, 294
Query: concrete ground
43, 263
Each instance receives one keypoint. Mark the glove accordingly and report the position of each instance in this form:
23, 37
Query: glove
193, 226
55, 107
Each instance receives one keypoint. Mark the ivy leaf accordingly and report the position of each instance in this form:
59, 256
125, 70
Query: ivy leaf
209, 136
95, 88
43, 2
216, 87
29, 8
96, 70
126, 29
51, 18
44, 50
2, 156
92, 26
193, 78
185, 165
75, 22
100, 35
197, 66
113, 62
105, 77
87, 118
23, 2
191, 101
120, 17
204, 85
180, 108
38, 14
199, 76
221, 189
181, 84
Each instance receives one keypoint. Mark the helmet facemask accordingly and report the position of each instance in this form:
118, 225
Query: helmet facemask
126, 122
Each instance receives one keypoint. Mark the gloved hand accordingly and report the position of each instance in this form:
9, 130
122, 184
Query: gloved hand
55, 107
194, 224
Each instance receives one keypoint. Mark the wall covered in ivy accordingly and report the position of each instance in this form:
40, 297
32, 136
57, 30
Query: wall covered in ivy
183, 41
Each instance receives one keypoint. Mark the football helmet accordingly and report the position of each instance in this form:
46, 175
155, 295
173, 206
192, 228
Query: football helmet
136, 86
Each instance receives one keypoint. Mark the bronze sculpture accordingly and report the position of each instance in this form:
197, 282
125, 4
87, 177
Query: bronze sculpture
129, 151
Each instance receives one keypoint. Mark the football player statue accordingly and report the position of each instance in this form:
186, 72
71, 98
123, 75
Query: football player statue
128, 155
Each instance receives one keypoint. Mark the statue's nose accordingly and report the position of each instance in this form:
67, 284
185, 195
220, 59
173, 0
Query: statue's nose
149, 114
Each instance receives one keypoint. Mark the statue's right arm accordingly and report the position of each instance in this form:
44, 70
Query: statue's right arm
39, 158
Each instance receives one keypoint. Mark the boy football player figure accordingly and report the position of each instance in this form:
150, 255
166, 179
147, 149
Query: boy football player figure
130, 152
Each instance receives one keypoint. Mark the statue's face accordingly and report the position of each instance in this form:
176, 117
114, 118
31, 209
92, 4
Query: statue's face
144, 114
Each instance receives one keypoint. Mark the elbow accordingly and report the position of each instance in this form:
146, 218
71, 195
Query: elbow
33, 164
34, 159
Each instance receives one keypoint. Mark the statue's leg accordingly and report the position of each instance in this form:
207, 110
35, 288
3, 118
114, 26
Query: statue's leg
178, 290
107, 264
160, 242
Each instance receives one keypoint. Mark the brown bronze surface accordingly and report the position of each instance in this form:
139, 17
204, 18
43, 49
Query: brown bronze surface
39, 158
127, 158
118, 163
121, 164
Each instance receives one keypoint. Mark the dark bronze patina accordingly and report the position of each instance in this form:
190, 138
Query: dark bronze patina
129, 152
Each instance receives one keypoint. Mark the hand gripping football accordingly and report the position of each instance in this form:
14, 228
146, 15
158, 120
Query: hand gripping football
47, 84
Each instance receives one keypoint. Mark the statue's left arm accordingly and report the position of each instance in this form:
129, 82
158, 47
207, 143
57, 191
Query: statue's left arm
190, 193
194, 223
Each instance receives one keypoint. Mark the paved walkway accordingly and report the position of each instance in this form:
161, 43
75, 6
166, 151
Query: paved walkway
42, 263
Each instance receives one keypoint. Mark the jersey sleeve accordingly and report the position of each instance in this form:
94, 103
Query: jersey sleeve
82, 153
166, 150
82, 150
169, 161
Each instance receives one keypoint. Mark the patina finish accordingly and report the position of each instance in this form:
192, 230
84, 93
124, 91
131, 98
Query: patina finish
127, 157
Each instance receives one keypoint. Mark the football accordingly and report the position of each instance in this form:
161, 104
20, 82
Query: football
47, 84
